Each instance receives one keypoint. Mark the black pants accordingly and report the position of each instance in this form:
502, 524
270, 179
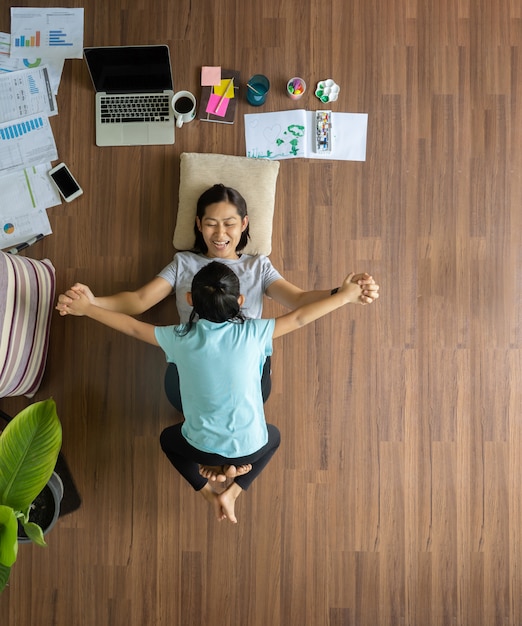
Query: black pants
174, 395
186, 459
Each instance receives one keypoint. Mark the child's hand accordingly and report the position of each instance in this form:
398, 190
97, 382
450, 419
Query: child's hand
370, 289
74, 292
74, 302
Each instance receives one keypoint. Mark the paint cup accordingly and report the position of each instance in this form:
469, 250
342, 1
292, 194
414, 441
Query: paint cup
184, 107
257, 90
295, 87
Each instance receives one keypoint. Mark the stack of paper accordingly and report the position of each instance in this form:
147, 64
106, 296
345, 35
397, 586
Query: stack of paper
31, 62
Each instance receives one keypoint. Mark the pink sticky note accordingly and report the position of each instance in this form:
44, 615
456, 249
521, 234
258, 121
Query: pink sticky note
213, 101
210, 75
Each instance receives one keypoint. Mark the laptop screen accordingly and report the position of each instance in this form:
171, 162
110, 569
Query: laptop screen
129, 69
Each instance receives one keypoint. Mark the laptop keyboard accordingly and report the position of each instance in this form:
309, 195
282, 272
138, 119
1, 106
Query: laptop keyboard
153, 108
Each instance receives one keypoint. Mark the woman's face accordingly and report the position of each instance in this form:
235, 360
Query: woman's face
221, 228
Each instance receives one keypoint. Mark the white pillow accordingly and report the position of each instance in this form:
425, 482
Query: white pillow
255, 179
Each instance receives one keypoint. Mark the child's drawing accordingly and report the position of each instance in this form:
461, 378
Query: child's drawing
291, 134
280, 135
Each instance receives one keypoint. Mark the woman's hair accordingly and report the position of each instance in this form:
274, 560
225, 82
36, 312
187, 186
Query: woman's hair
220, 193
215, 293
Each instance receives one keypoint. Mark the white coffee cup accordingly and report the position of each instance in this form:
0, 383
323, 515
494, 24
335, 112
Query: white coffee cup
184, 107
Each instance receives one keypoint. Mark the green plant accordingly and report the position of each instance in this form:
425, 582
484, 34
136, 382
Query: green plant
29, 448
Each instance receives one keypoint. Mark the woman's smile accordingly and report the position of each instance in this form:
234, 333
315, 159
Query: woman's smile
222, 227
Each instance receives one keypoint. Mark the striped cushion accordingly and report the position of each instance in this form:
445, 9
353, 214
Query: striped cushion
27, 289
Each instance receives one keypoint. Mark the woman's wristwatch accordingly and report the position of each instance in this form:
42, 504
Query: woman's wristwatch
334, 291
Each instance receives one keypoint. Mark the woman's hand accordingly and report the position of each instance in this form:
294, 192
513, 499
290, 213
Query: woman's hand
64, 299
370, 289
351, 289
73, 302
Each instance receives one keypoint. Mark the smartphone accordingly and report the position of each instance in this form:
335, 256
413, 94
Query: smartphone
65, 182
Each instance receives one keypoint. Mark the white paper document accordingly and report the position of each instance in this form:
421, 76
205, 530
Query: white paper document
291, 134
47, 32
30, 189
23, 227
25, 92
26, 141
24, 196
12, 64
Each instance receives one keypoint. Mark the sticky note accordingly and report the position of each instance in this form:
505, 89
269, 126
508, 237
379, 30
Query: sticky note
213, 101
224, 85
210, 75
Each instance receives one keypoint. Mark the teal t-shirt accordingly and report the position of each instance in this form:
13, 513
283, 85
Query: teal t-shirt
220, 367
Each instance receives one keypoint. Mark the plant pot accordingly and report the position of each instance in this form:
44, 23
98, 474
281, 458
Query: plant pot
45, 509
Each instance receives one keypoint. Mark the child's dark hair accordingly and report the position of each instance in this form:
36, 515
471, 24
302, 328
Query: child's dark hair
215, 293
220, 193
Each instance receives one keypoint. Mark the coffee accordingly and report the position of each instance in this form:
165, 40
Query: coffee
183, 105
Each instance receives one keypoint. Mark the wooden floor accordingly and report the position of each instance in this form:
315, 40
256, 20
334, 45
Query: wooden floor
395, 498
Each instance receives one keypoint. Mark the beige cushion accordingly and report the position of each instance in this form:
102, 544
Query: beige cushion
255, 179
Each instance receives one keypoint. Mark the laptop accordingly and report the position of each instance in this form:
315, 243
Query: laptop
134, 92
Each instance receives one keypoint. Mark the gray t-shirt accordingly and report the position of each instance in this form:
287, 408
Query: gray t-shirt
256, 274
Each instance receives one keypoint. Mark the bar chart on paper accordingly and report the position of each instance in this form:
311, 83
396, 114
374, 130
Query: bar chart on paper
30, 41
18, 129
59, 37
33, 87
49, 32
26, 141
25, 92
55, 37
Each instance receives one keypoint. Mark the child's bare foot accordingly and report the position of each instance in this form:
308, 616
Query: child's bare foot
215, 473
227, 501
231, 471
211, 496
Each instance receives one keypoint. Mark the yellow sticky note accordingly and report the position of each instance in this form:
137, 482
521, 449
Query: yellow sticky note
225, 88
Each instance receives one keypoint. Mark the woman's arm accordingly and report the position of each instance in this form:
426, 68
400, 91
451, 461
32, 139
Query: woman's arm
292, 297
80, 305
129, 302
348, 292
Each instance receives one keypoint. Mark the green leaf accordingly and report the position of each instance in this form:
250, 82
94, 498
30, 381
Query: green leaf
29, 448
23, 516
4, 576
8, 536
35, 533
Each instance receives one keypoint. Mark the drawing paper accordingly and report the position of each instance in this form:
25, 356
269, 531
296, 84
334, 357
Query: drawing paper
291, 134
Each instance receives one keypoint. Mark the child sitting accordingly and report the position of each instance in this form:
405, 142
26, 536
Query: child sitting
220, 358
